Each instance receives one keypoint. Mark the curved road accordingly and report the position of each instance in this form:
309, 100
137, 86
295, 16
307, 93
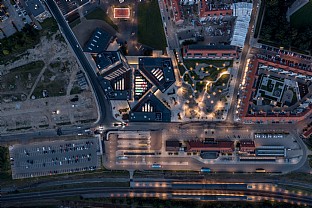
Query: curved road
105, 115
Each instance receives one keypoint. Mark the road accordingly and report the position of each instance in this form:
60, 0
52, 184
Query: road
242, 64
104, 108
169, 26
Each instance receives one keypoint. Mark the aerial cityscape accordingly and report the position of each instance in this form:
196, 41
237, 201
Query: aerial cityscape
156, 103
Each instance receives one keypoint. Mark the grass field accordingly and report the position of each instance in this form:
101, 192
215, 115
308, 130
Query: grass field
100, 14
19, 77
150, 28
303, 17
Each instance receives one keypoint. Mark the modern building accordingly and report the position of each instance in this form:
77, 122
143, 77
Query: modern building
98, 42
141, 85
205, 10
37, 9
111, 64
173, 145
241, 10
158, 71
210, 52
150, 109
217, 146
119, 88
247, 146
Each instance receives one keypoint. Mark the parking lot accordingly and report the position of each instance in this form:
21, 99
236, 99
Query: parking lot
14, 21
49, 158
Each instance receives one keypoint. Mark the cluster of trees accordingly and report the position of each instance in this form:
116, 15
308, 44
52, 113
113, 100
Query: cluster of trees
275, 27
19, 42
4, 161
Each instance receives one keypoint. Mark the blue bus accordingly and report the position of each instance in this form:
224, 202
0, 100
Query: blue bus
206, 170
156, 166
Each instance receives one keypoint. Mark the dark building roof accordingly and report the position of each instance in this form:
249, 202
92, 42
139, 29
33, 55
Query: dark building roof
247, 143
172, 143
117, 94
209, 154
141, 85
150, 109
159, 71
98, 42
106, 59
35, 7
211, 47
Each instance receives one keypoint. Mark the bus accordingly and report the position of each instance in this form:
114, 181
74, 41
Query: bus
156, 166
122, 158
206, 170
260, 170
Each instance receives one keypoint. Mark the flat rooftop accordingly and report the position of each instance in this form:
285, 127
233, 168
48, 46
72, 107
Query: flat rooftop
150, 108
35, 7
159, 71
98, 42
106, 59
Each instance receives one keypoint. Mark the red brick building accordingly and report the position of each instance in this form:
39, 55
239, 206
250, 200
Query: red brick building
177, 14
247, 146
262, 116
205, 11
218, 146
210, 52
308, 133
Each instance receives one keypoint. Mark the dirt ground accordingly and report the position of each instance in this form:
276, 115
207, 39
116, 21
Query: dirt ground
36, 90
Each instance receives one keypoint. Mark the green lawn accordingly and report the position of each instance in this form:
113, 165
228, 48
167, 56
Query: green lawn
5, 167
100, 14
181, 69
303, 17
22, 75
187, 79
150, 28
223, 79
200, 86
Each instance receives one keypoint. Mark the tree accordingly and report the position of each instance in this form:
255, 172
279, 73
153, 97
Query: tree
5, 52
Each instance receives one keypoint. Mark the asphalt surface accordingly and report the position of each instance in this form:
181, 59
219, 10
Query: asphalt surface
105, 116
242, 63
